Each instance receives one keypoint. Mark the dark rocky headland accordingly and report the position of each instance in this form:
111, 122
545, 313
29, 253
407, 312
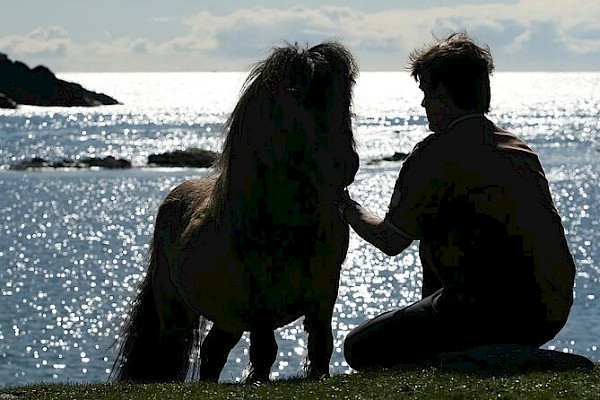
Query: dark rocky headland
38, 86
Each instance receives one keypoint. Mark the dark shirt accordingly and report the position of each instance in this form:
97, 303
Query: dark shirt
477, 199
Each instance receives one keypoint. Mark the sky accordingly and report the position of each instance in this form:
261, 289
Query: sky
231, 35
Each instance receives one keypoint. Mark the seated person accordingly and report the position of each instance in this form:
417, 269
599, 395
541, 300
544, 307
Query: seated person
496, 265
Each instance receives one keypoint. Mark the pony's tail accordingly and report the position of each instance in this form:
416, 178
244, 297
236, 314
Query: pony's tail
138, 336
152, 350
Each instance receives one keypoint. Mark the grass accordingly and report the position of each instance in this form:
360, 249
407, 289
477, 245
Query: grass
423, 384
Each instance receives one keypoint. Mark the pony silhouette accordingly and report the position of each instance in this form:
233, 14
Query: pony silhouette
260, 243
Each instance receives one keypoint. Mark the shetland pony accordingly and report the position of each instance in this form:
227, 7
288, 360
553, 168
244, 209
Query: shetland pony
260, 243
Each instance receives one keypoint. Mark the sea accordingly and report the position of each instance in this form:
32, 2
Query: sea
73, 243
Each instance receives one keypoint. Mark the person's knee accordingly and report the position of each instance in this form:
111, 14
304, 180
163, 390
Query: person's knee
352, 351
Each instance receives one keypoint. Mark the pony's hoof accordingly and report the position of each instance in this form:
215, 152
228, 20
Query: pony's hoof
317, 375
324, 377
209, 380
257, 379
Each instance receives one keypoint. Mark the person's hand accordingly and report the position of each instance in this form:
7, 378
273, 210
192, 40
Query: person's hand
343, 194
344, 201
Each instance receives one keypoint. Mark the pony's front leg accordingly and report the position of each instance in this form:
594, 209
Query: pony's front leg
263, 351
215, 348
263, 346
317, 324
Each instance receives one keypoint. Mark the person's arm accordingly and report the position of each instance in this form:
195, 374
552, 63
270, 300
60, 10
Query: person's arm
372, 228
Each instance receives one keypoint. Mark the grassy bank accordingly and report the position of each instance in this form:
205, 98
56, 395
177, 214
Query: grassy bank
425, 384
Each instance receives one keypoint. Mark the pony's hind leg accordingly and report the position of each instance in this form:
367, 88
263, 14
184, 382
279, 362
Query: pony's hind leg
214, 351
320, 343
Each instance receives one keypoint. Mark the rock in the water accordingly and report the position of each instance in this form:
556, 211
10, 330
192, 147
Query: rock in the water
192, 157
34, 163
109, 162
40, 87
397, 156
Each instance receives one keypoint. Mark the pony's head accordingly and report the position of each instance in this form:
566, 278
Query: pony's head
291, 126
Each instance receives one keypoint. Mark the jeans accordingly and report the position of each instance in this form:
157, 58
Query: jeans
423, 330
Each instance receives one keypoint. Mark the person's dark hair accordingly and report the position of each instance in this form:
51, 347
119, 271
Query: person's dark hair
461, 65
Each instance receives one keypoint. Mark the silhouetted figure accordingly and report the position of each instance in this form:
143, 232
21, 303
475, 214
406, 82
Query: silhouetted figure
496, 265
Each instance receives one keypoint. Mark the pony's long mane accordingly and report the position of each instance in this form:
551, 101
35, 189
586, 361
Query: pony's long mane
288, 137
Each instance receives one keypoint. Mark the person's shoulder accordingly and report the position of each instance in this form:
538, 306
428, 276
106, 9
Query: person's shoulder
508, 140
426, 141
425, 159
425, 147
512, 147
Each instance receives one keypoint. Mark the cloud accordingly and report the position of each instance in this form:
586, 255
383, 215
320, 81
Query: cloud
248, 31
139, 47
518, 43
52, 41
508, 28
532, 34
190, 43
583, 39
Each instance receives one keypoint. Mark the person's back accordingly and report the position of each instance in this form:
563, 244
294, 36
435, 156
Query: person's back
496, 242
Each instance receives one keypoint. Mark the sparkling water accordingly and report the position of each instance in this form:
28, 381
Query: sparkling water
73, 243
